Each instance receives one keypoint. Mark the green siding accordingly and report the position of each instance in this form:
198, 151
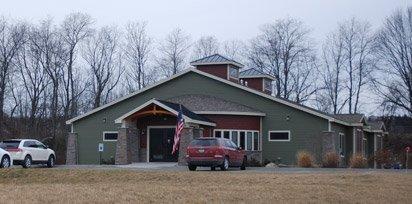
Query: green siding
304, 127
348, 146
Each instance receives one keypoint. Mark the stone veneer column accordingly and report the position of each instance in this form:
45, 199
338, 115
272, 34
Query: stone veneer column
71, 152
188, 134
127, 146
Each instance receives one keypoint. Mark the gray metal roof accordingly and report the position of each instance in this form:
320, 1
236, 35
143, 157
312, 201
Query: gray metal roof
376, 125
350, 118
215, 59
197, 102
254, 73
185, 111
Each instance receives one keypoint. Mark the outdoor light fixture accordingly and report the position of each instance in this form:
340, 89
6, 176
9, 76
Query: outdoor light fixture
104, 120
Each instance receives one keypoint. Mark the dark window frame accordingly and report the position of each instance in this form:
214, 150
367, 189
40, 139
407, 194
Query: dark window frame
110, 132
279, 140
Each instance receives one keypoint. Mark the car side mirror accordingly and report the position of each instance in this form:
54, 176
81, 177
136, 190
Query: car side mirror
239, 148
45, 147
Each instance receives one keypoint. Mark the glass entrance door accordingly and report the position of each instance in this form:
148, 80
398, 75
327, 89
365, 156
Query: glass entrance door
161, 145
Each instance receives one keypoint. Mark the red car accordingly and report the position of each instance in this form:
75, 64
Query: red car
215, 152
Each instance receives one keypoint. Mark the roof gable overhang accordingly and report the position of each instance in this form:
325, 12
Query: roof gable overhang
192, 70
164, 106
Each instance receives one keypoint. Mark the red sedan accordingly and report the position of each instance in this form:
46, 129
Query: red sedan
215, 152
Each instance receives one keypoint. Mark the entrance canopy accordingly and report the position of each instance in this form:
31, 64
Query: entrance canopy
159, 107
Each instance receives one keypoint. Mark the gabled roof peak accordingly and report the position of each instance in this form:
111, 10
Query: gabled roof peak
215, 59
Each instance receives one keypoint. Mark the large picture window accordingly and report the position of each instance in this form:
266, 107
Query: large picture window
279, 136
110, 136
267, 84
246, 139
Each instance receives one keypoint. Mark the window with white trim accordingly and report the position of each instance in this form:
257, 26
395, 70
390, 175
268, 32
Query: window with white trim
110, 136
233, 72
267, 84
279, 136
341, 142
246, 139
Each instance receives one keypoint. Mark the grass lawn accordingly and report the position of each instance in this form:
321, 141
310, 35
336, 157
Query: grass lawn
113, 186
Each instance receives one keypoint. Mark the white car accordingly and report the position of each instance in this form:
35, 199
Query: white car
5, 158
27, 152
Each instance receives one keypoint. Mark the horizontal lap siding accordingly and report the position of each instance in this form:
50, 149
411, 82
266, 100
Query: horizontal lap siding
304, 127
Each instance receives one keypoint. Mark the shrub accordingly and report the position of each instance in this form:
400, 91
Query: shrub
357, 161
330, 160
382, 157
305, 159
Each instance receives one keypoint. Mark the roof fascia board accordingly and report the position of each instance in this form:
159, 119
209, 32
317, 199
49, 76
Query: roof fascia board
218, 79
126, 97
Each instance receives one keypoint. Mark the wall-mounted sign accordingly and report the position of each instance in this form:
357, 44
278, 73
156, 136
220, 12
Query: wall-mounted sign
101, 147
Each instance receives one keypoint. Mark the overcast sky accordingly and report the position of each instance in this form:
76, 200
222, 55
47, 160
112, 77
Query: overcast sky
225, 19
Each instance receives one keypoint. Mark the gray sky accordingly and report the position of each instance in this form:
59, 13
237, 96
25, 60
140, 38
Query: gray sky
226, 19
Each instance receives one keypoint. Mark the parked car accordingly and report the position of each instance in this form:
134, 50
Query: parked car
215, 152
27, 152
5, 157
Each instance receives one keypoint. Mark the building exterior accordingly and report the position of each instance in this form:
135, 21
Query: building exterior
217, 100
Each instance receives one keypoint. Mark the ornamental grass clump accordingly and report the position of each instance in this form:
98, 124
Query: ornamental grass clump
357, 161
330, 160
305, 159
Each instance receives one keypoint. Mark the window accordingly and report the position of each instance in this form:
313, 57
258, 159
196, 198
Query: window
235, 137
226, 134
279, 136
233, 72
31, 144
246, 139
109, 136
267, 84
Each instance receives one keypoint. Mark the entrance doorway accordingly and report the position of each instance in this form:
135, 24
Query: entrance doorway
161, 144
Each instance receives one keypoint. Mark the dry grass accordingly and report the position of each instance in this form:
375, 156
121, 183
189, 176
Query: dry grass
330, 160
124, 186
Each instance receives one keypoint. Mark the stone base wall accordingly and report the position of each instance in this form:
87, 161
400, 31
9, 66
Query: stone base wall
127, 149
188, 134
142, 155
71, 152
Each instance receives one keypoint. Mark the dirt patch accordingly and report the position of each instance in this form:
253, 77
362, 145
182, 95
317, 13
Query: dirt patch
124, 186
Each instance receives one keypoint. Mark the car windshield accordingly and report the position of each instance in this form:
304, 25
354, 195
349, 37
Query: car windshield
204, 142
11, 144
2, 146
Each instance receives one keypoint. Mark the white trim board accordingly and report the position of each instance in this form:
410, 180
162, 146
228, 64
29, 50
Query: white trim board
284, 102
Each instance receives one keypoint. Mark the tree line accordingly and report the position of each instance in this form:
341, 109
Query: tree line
50, 72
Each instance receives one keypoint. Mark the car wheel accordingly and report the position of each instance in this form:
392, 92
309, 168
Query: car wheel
50, 162
192, 167
5, 162
244, 162
213, 168
225, 164
27, 162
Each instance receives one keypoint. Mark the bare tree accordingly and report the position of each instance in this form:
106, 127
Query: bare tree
234, 49
333, 60
394, 49
103, 57
278, 49
173, 52
12, 37
205, 46
76, 27
304, 79
34, 80
137, 51
357, 44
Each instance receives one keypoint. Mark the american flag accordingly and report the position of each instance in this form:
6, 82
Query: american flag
179, 127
